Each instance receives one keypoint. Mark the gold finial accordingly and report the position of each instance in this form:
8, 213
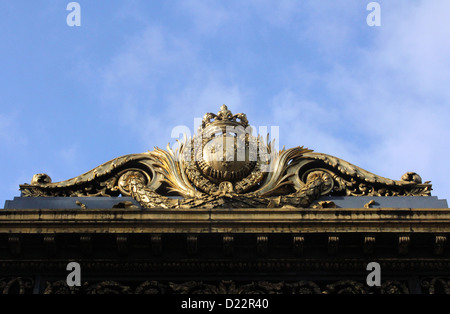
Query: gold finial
224, 113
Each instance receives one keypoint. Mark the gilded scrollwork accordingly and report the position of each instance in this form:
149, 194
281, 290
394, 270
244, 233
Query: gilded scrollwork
61, 287
346, 287
16, 285
436, 285
25, 285
224, 165
104, 180
108, 287
302, 287
227, 197
352, 180
224, 287
394, 287
152, 287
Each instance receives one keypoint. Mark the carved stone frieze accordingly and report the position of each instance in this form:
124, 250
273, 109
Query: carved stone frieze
427, 285
255, 287
436, 285
16, 285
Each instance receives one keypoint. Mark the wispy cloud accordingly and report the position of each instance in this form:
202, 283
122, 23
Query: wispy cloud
394, 97
137, 80
207, 16
377, 97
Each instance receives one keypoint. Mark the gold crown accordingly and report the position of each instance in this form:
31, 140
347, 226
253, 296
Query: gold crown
224, 118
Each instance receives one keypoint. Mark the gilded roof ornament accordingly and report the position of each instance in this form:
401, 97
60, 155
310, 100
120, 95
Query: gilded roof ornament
225, 165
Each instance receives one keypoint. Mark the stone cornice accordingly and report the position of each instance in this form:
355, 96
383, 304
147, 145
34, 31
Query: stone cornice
253, 220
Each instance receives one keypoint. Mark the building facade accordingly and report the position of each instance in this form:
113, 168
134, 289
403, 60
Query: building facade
226, 213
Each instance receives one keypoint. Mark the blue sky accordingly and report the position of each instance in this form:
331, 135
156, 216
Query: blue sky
75, 97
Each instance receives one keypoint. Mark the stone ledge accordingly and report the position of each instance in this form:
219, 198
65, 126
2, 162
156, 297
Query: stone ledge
254, 220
